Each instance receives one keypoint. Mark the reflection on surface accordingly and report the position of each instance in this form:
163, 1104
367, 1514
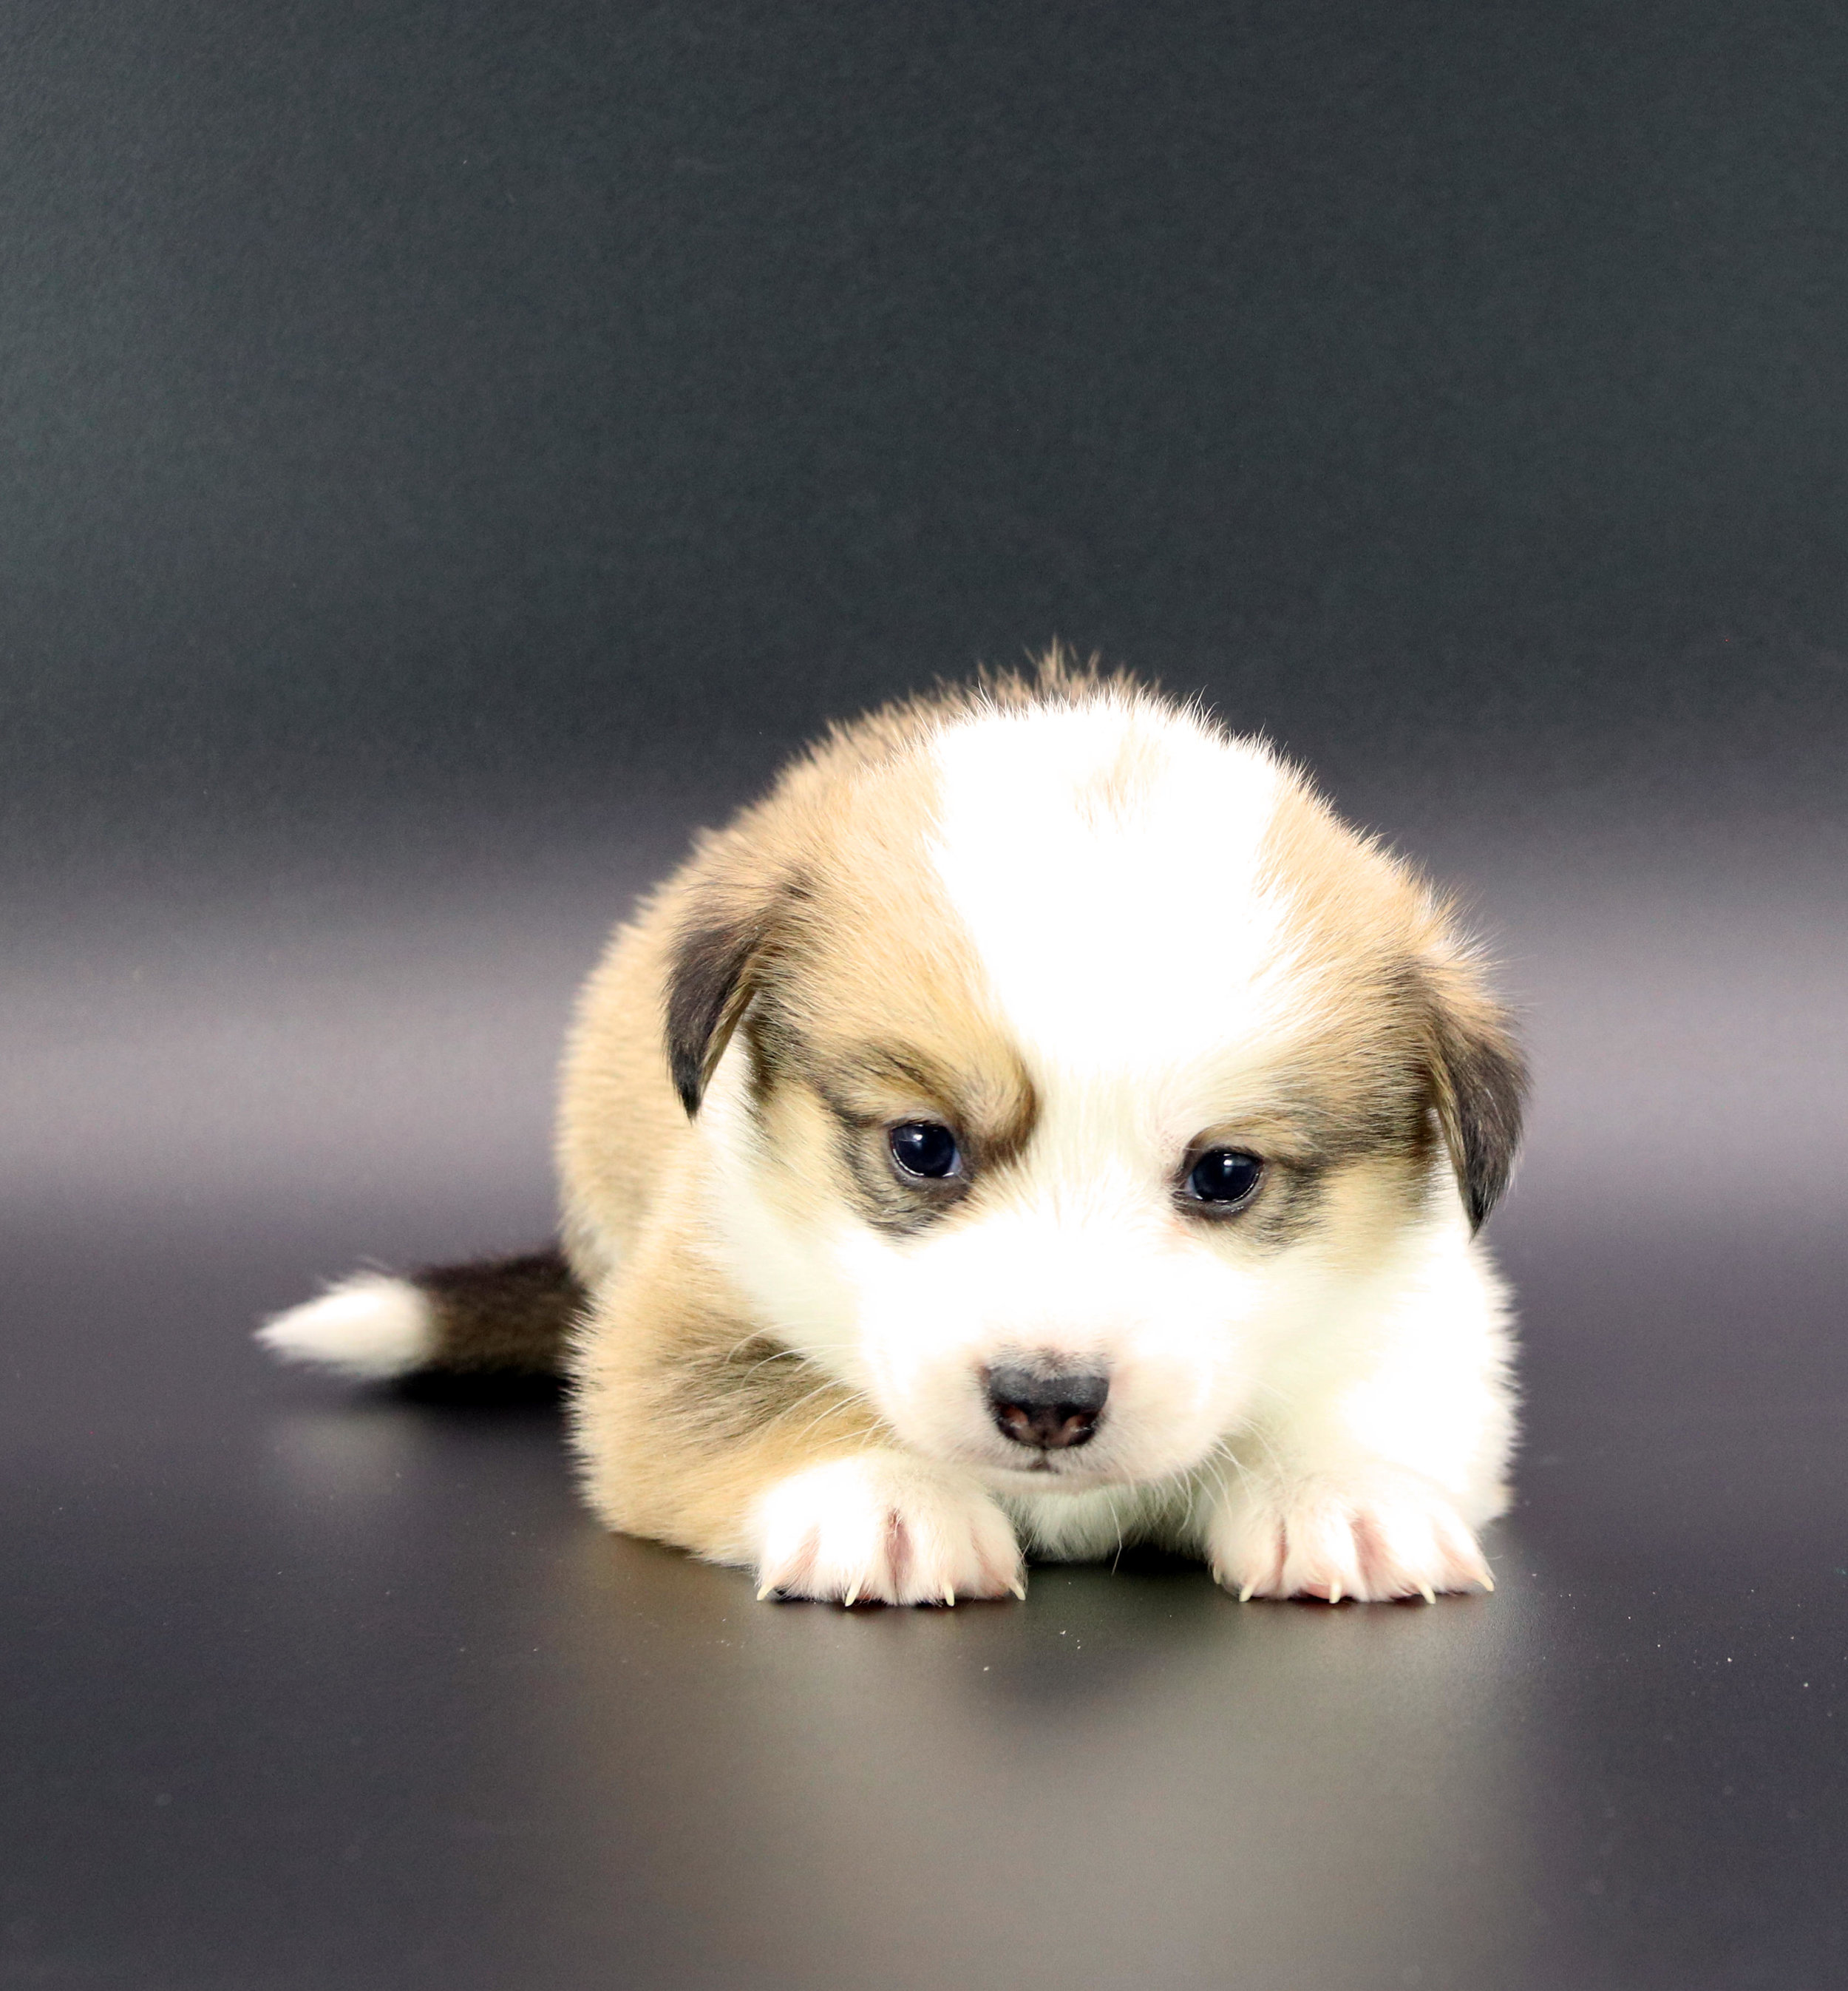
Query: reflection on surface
1130, 1774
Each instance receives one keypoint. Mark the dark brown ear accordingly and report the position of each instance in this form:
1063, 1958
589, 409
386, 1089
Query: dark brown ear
1480, 1081
709, 983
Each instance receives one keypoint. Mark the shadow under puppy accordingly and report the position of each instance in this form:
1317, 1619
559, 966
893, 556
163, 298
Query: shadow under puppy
1039, 1124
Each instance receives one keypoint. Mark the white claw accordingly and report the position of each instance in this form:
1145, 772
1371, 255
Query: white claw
1429, 1595
1244, 1595
848, 1601
1018, 1588
1334, 1593
949, 1595
766, 1591
1488, 1581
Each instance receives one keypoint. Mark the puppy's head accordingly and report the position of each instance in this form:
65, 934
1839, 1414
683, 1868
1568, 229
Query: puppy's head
1055, 1054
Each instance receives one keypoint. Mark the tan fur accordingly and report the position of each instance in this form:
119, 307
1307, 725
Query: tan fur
1388, 971
843, 818
685, 1415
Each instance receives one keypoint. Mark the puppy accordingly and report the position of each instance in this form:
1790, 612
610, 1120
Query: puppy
1039, 1124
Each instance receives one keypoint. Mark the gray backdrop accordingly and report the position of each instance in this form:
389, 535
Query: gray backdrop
448, 452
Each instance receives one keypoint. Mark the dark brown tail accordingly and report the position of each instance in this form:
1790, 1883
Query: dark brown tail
505, 1316
508, 1314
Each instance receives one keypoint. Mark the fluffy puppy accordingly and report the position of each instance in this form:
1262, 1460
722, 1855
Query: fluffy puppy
1039, 1125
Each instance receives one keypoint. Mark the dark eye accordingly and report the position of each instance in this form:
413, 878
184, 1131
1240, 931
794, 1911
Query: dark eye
923, 1148
1224, 1176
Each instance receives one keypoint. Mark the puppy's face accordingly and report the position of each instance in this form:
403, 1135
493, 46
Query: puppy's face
1060, 1088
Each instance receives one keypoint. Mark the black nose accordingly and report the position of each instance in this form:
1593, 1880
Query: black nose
1048, 1409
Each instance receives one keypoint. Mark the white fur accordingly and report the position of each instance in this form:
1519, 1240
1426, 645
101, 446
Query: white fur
1367, 1531
1118, 935
1303, 1425
887, 1529
788, 1275
371, 1327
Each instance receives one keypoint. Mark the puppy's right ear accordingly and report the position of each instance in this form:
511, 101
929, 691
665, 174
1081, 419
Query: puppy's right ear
725, 944
723, 941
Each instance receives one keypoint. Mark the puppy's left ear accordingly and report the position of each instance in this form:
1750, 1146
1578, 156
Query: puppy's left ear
1479, 1082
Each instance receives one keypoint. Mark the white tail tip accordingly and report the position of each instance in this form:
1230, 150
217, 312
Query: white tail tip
371, 1325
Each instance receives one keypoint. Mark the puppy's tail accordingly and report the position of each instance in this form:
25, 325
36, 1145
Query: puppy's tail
504, 1315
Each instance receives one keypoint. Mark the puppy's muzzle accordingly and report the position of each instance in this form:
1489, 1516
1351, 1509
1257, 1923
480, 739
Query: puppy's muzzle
1046, 1410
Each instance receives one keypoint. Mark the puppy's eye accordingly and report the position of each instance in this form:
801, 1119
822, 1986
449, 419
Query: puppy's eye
923, 1148
1225, 1176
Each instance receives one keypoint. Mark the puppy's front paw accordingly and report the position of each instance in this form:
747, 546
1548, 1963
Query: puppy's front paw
1376, 1535
880, 1529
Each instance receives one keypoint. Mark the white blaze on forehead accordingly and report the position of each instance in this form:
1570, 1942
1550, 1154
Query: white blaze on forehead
1105, 860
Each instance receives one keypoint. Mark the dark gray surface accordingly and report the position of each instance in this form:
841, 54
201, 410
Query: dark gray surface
444, 453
